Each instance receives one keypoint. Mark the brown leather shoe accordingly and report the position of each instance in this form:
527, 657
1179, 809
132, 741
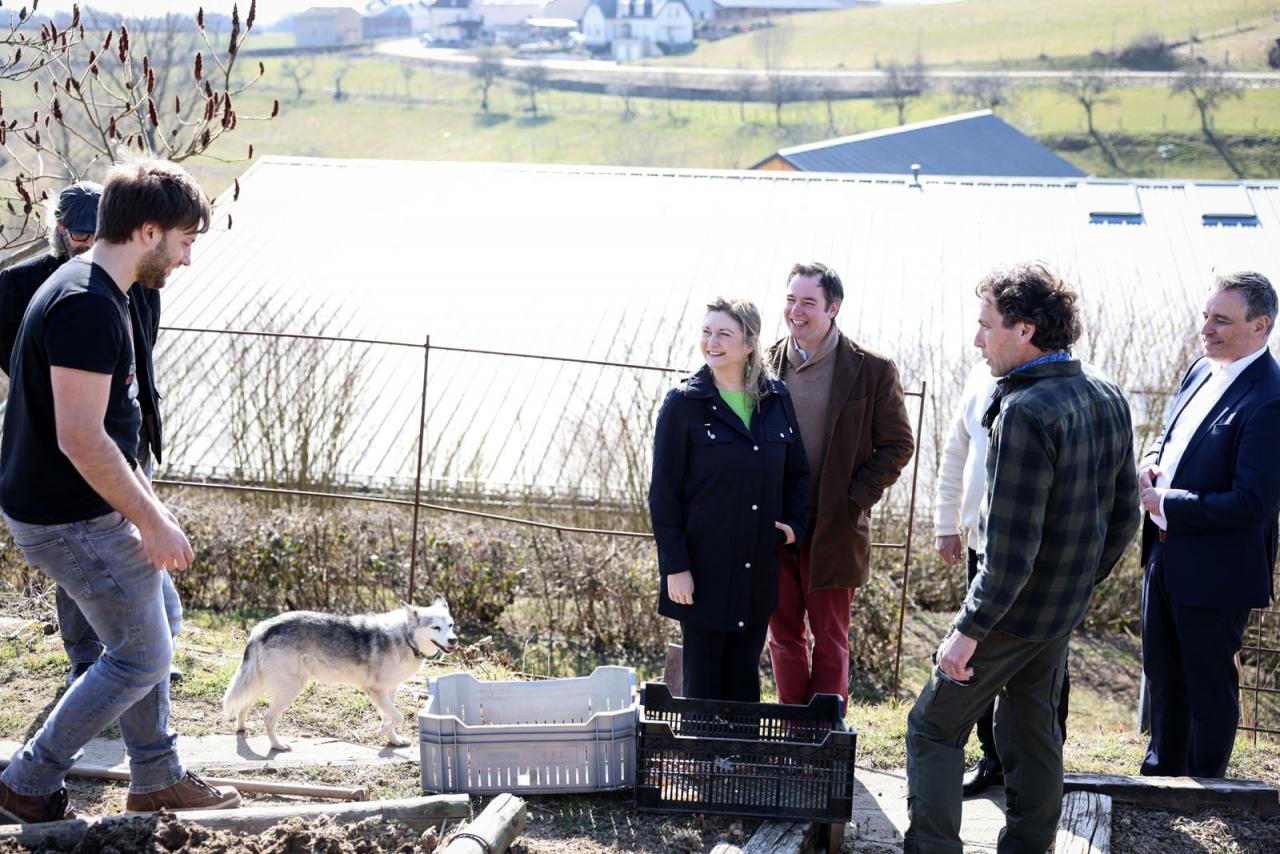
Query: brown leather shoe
33, 809
189, 793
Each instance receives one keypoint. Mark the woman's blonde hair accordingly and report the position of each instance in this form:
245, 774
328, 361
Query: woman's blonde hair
747, 316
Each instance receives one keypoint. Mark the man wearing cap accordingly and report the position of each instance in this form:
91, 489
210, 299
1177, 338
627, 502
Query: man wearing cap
75, 218
75, 221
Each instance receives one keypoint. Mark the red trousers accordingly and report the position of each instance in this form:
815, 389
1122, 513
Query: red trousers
828, 616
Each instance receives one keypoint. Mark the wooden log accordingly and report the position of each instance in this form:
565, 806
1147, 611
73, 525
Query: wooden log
265, 787
1085, 825
418, 813
493, 831
673, 670
783, 837
1180, 793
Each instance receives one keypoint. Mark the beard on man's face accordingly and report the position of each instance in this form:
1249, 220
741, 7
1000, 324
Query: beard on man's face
153, 269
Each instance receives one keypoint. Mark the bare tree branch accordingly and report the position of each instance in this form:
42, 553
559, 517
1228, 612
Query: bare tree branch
155, 86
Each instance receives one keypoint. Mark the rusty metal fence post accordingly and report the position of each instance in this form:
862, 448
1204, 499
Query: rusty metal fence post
417, 475
906, 556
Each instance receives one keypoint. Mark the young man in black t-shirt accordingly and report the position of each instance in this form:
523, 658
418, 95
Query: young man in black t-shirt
81, 511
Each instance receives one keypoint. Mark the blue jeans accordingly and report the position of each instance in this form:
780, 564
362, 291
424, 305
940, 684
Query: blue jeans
100, 564
78, 637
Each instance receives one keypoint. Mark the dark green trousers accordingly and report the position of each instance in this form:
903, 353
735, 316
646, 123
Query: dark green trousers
1027, 677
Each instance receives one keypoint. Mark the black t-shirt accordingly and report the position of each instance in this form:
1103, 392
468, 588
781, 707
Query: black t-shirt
78, 319
17, 285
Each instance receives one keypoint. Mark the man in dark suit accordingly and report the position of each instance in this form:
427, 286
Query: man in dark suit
1211, 488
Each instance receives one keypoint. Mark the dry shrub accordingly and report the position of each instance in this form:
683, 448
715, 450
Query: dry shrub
602, 591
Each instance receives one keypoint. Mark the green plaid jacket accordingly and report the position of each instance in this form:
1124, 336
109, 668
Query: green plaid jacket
1061, 502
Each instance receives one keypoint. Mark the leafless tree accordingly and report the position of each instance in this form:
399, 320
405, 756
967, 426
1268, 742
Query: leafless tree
830, 91
984, 92
408, 70
626, 91
1089, 88
901, 85
533, 79
92, 102
486, 71
339, 73
298, 67
1209, 88
668, 85
772, 44
744, 87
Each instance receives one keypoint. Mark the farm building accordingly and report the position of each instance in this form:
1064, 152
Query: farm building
543, 260
634, 29
327, 26
977, 143
397, 21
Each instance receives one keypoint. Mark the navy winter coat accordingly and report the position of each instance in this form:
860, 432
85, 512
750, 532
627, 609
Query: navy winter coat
717, 489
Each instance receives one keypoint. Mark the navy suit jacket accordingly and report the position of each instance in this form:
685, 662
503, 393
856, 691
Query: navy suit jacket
1223, 505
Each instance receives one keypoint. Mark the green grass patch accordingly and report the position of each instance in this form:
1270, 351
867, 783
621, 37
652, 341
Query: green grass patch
985, 32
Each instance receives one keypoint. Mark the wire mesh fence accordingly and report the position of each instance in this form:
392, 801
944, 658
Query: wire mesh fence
550, 441
479, 432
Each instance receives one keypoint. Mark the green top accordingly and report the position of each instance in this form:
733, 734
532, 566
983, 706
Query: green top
739, 402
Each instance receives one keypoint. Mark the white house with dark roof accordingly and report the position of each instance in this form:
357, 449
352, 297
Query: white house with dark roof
634, 29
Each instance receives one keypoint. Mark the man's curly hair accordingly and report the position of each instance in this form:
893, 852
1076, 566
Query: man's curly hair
1032, 293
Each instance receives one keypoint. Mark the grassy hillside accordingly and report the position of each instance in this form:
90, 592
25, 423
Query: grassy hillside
990, 32
432, 115
443, 122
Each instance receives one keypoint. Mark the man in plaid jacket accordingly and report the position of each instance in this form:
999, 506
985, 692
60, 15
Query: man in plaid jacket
1061, 505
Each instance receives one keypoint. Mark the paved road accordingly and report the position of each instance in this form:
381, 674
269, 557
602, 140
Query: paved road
595, 73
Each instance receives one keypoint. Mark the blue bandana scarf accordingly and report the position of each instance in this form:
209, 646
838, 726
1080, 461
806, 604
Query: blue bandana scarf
1060, 356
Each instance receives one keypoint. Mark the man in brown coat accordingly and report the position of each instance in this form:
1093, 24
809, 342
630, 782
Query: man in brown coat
853, 421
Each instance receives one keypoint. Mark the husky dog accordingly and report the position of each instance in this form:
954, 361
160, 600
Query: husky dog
376, 652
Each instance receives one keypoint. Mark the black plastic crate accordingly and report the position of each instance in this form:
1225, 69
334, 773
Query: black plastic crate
763, 760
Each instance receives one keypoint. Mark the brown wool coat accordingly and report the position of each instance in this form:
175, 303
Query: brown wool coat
870, 443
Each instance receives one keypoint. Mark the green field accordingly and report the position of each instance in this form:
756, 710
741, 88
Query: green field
994, 32
434, 115
443, 122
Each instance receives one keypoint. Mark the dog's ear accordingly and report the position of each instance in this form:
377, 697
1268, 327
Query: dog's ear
406, 606
439, 600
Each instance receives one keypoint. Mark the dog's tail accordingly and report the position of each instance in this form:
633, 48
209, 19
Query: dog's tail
243, 689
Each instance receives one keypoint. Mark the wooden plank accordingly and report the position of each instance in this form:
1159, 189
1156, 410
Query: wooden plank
264, 787
418, 813
1180, 793
1085, 825
673, 670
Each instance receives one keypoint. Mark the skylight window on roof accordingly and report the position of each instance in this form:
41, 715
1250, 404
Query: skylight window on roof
1111, 203
1225, 204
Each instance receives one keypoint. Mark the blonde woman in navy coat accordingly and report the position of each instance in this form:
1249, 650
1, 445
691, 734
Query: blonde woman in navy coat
728, 490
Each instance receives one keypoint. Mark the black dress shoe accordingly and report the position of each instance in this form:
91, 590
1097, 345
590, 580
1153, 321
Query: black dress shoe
983, 776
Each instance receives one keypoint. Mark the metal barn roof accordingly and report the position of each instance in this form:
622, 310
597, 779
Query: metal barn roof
977, 143
616, 264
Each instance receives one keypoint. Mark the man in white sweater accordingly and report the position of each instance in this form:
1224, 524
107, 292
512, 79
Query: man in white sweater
961, 484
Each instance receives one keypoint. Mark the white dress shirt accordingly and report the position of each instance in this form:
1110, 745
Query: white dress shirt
1202, 402
962, 476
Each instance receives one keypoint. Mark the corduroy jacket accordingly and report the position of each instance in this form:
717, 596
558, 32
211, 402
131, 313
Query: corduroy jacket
869, 442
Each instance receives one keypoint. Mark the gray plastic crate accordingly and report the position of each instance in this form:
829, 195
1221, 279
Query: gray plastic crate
558, 735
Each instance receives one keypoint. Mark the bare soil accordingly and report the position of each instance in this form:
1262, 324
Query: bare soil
1139, 831
167, 833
